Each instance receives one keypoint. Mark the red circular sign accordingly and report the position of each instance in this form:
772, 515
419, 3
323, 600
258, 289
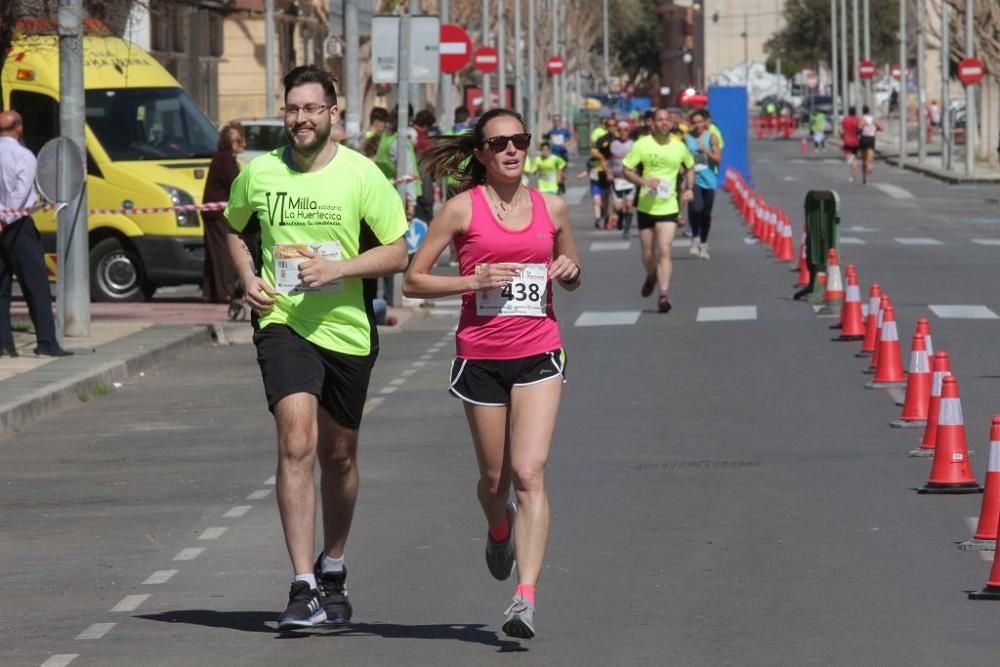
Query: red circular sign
455, 48
555, 65
971, 71
485, 59
896, 71
866, 69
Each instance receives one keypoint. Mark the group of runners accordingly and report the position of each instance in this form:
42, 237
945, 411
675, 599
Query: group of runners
857, 134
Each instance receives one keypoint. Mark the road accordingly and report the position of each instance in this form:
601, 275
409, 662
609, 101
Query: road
724, 489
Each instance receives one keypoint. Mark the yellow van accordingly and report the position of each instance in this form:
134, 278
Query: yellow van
148, 145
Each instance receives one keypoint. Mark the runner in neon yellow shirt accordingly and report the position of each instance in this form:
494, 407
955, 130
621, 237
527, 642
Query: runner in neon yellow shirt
550, 169
662, 159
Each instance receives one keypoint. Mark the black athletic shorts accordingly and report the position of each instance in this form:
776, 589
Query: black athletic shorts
867, 142
853, 150
647, 221
289, 364
484, 382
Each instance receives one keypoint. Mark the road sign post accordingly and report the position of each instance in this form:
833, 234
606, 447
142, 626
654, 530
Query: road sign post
555, 65
971, 71
866, 69
485, 59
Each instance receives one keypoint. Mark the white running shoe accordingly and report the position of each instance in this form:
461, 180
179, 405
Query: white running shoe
704, 251
695, 249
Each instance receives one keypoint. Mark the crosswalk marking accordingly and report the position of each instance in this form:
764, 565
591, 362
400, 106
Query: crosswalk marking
160, 577
963, 312
593, 318
851, 240
130, 603
599, 246
727, 313
986, 241
916, 240
60, 660
894, 191
96, 631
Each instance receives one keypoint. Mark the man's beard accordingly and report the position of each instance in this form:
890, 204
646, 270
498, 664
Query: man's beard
321, 135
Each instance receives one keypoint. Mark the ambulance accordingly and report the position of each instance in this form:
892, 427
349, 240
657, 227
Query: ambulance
148, 146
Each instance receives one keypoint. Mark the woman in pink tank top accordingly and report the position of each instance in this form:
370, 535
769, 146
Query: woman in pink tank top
513, 245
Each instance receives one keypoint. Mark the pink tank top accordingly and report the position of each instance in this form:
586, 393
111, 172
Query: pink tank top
488, 241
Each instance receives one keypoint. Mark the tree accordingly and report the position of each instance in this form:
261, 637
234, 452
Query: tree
635, 37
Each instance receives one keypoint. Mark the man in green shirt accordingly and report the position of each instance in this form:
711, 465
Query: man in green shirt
550, 169
662, 160
330, 223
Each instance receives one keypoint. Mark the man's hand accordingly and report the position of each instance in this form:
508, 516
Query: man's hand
687, 196
651, 183
258, 294
318, 271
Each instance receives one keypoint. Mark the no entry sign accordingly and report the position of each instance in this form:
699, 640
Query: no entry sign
556, 65
971, 71
485, 59
455, 49
866, 69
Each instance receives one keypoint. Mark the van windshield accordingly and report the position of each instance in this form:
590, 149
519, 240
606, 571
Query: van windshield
149, 124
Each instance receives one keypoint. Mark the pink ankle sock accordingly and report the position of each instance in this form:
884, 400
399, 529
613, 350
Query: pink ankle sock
527, 591
501, 532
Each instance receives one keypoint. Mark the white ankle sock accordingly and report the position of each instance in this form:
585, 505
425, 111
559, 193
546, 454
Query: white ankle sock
308, 578
331, 564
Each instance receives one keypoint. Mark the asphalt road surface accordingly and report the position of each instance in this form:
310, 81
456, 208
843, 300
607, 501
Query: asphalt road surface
724, 489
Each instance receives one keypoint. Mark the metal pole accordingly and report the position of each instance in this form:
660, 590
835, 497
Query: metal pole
845, 66
746, 55
416, 89
444, 82
556, 102
855, 53
487, 93
518, 61
903, 73
838, 108
502, 52
945, 92
564, 52
971, 124
868, 49
607, 63
352, 119
531, 109
269, 58
403, 167
921, 85
73, 276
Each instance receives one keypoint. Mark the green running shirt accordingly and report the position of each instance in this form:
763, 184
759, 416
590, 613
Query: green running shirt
662, 161
548, 172
334, 203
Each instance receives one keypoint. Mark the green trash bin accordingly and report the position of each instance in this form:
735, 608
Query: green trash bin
822, 208
584, 122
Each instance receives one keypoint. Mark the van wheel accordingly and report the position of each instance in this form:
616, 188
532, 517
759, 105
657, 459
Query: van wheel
115, 272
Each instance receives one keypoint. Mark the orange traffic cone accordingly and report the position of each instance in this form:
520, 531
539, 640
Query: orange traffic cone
991, 591
804, 146
951, 472
883, 303
871, 323
889, 372
852, 325
786, 249
918, 387
833, 294
940, 370
924, 327
985, 537
778, 231
803, 278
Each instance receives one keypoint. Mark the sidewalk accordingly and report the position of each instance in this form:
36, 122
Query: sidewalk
125, 340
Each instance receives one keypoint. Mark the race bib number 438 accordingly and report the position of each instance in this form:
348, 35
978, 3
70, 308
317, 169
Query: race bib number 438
524, 296
286, 266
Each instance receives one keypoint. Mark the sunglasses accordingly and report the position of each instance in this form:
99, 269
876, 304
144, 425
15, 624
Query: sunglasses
499, 144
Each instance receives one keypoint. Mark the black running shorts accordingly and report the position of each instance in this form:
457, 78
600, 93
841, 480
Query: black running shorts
647, 221
867, 143
289, 364
483, 382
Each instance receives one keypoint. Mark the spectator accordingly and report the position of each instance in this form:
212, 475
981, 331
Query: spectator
219, 278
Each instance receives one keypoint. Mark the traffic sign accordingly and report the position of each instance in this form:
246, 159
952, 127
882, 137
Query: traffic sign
455, 49
485, 59
866, 69
896, 71
415, 235
555, 65
971, 71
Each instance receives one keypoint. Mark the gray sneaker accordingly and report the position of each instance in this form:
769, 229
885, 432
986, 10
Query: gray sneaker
500, 555
519, 619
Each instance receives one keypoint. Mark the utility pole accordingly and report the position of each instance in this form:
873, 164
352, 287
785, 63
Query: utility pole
607, 63
777, 58
403, 166
921, 85
971, 124
945, 92
868, 49
518, 61
269, 57
746, 54
903, 73
855, 52
556, 102
502, 56
531, 110
444, 82
845, 90
352, 118
838, 109
563, 79
485, 39
73, 287
416, 89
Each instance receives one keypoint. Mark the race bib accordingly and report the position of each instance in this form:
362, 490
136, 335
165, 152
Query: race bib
621, 185
664, 190
547, 176
556, 139
524, 296
286, 266
595, 174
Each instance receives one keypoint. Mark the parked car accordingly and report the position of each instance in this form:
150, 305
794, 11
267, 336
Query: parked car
263, 135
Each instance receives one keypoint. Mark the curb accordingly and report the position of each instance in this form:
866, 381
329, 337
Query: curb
27, 408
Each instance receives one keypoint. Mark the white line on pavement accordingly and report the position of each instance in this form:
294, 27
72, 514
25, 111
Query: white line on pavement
371, 404
600, 246
681, 243
237, 511
60, 660
259, 494
972, 522
963, 312
789, 178
213, 533
96, 631
397, 381
859, 229
418, 364
727, 313
749, 240
894, 191
130, 602
190, 553
388, 390
986, 241
270, 481
425, 357
407, 372
851, 240
160, 577
592, 318
916, 240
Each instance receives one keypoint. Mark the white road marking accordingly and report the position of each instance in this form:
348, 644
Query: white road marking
681, 243
270, 481
986, 241
96, 631
388, 390
894, 191
916, 240
418, 364
371, 404
593, 318
963, 312
858, 229
130, 602
213, 533
160, 577
189, 553
407, 372
397, 381
749, 240
425, 357
727, 313
60, 660
789, 178
599, 246
973, 522
237, 511
259, 494
851, 240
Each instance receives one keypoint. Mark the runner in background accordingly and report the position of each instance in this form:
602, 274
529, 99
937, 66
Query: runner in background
622, 191
707, 156
550, 169
850, 137
870, 126
560, 138
817, 125
597, 174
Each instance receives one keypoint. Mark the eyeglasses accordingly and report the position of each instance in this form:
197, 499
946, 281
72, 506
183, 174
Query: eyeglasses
309, 110
499, 144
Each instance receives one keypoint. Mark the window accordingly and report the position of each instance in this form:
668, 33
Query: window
41, 117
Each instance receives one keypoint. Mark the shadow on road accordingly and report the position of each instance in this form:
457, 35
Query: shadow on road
266, 621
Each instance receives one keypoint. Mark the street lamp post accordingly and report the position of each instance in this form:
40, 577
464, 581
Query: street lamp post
921, 85
903, 141
487, 93
838, 109
971, 125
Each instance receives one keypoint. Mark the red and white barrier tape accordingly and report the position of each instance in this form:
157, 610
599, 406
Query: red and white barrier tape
210, 206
